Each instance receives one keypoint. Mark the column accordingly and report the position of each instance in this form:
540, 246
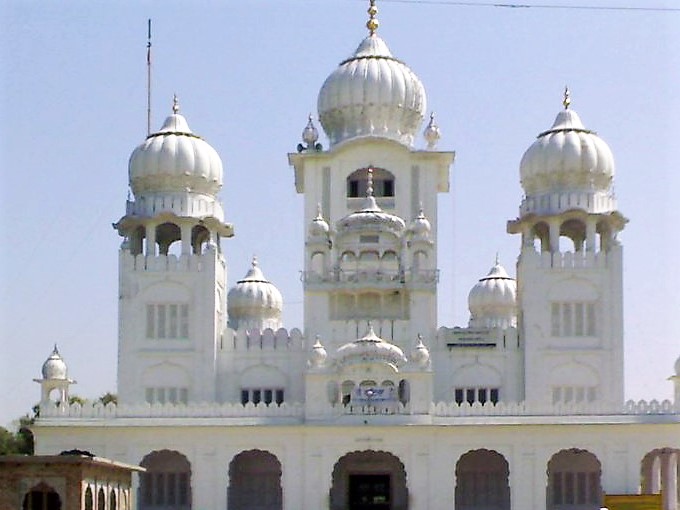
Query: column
591, 236
669, 475
150, 240
554, 226
186, 238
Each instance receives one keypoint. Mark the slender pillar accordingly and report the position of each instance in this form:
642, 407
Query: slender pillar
669, 474
151, 240
591, 235
554, 225
186, 238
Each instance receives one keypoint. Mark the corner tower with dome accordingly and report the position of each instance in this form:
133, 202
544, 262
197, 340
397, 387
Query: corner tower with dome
371, 404
172, 273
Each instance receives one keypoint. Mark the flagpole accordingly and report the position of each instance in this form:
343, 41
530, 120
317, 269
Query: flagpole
148, 79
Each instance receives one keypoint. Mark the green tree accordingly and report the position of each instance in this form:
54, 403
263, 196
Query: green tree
108, 397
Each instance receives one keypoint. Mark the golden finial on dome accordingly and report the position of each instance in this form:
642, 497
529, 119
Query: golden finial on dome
175, 104
567, 98
372, 24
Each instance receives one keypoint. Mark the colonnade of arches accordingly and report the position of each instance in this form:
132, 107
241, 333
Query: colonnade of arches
575, 233
377, 480
45, 497
169, 237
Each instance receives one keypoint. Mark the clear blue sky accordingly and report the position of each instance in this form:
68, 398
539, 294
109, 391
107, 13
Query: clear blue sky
73, 107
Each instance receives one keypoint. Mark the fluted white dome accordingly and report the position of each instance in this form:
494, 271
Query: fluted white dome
319, 228
493, 300
372, 94
420, 226
420, 354
567, 157
371, 218
174, 159
370, 348
55, 367
318, 356
254, 302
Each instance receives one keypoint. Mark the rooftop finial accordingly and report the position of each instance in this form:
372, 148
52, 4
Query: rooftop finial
254, 262
498, 260
567, 98
369, 183
372, 24
175, 104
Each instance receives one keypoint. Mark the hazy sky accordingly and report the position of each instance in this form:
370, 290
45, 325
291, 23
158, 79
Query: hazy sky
73, 107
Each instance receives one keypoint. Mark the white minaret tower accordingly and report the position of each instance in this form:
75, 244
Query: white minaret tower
569, 271
171, 269
365, 259
55, 383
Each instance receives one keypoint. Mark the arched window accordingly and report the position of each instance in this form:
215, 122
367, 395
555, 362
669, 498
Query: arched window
41, 497
89, 500
482, 481
255, 482
113, 504
404, 391
166, 485
167, 234
101, 500
383, 183
199, 236
574, 481
573, 230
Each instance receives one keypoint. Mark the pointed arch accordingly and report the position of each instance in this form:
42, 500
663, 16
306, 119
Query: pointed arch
574, 480
659, 472
255, 482
482, 481
41, 497
369, 479
166, 485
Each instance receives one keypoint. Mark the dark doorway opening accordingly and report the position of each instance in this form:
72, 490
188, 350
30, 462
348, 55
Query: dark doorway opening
369, 492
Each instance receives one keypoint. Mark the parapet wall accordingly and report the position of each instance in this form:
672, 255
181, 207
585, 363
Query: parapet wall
167, 263
565, 260
297, 410
267, 340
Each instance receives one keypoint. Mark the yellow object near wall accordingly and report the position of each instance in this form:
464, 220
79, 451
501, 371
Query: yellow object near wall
633, 501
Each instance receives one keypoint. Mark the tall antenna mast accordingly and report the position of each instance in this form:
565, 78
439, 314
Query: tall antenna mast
148, 80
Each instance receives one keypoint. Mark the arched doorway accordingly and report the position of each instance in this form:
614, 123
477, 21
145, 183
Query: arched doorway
574, 481
41, 497
660, 474
255, 482
369, 480
482, 481
166, 485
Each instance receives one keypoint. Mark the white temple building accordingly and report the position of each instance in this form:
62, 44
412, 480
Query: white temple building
371, 404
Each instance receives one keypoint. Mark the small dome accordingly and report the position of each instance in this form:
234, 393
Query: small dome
254, 302
567, 157
371, 218
370, 348
174, 159
372, 94
432, 134
493, 300
54, 367
310, 134
318, 355
319, 227
420, 226
420, 354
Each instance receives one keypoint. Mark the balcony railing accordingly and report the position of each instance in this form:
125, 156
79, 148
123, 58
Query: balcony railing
372, 277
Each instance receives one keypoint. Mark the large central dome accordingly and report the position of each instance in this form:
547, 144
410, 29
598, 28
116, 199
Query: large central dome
372, 94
